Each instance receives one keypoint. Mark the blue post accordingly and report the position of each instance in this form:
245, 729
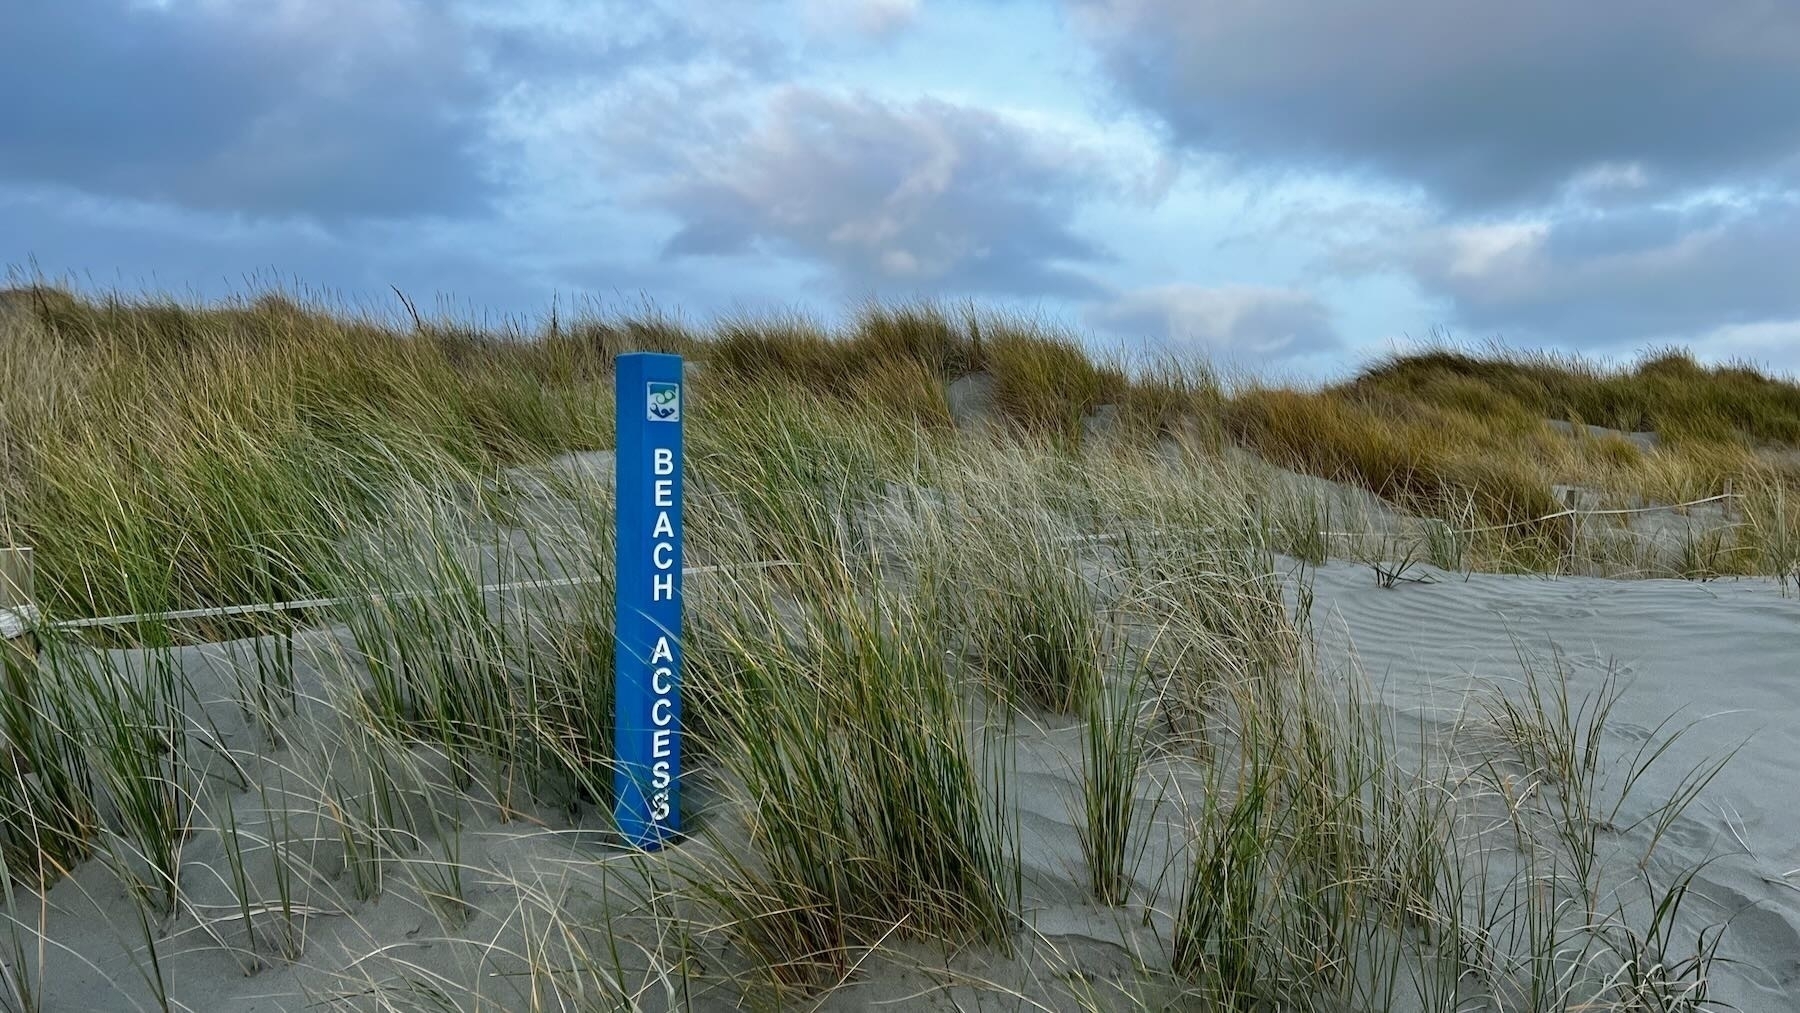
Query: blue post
647, 628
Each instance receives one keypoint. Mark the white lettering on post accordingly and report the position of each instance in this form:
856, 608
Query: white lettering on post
662, 655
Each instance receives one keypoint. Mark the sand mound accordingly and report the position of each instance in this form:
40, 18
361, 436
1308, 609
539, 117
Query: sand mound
1719, 655
538, 885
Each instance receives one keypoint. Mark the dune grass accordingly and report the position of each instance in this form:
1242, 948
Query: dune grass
862, 789
161, 454
946, 600
1114, 749
1666, 392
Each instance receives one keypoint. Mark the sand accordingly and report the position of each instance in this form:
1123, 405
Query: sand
1721, 655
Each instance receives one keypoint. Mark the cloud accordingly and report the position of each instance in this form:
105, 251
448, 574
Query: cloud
330, 109
1245, 321
1483, 105
155, 247
1770, 343
1613, 276
892, 198
1596, 174
872, 19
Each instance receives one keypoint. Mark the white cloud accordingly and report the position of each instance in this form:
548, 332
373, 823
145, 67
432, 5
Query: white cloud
1774, 343
875, 19
1249, 321
1493, 253
1609, 181
900, 198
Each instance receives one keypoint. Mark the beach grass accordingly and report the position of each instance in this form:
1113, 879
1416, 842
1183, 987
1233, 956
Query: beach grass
1102, 576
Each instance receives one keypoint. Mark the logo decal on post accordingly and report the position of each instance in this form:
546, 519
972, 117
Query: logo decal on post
665, 402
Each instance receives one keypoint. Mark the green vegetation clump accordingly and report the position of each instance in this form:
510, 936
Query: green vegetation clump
163, 455
1667, 392
901, 357
1428, 460
1463, 437
939, 679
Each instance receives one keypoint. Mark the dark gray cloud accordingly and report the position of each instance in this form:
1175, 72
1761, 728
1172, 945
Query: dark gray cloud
1618, 276
1482, 103
1596, 174
358, 110
926, 196
1237, 321
329, 109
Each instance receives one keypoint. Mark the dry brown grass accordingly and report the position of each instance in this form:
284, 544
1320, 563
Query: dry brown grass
162, 454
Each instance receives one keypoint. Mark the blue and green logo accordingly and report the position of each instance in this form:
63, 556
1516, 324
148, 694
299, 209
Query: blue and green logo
665, 402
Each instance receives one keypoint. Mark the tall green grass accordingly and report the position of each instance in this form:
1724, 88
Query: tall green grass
162, 454
868, 813
1030, 617
857, 714
1666, 391
1114, 750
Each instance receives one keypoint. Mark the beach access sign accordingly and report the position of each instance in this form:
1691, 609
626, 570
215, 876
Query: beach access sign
647, 641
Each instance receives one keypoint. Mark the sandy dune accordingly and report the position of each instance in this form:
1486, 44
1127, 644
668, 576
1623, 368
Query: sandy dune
1720, 656
1723, 656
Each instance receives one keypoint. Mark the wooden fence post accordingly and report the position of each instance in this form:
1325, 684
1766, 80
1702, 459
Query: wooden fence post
18, 605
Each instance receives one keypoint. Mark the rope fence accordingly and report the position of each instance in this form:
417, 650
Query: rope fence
305, 604
1577, 512
1571, 512
19, 618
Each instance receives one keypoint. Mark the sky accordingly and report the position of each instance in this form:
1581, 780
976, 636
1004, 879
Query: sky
1289, 186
